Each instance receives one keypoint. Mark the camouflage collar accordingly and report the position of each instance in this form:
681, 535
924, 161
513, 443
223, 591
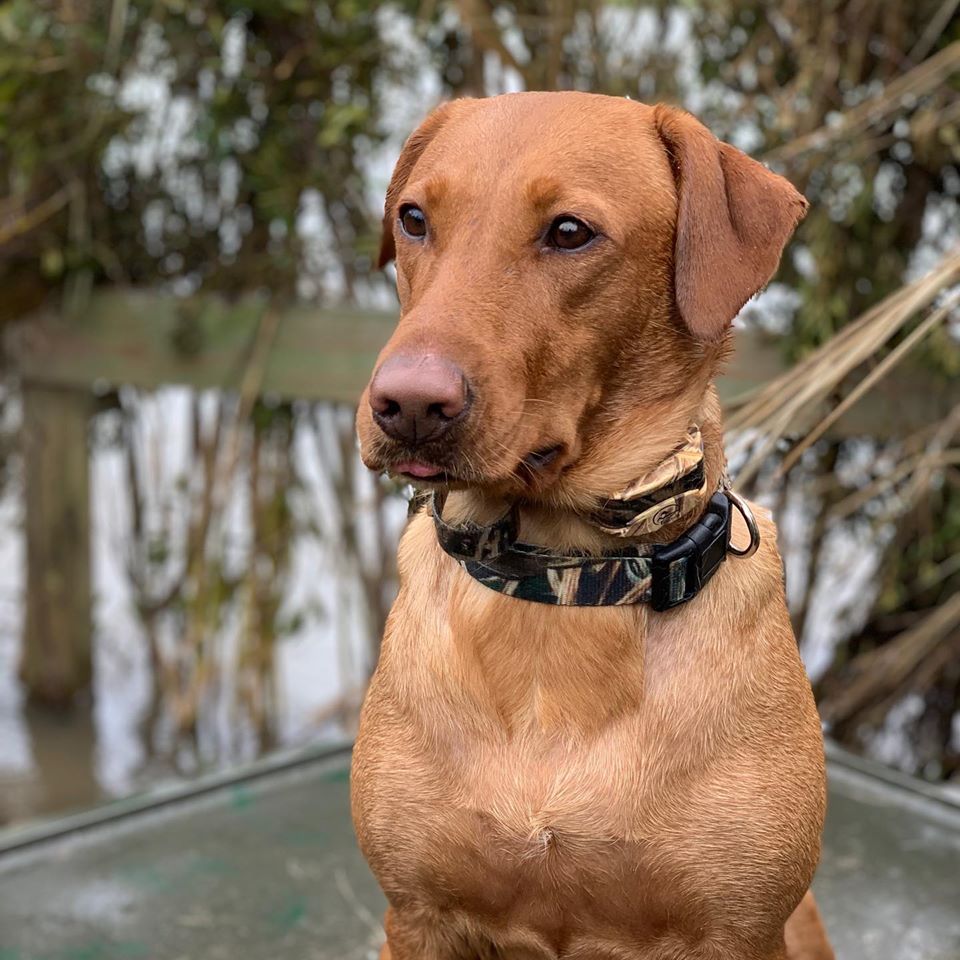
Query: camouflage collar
675, 488
664, 575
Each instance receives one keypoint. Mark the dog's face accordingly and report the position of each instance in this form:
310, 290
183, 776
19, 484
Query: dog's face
562, 260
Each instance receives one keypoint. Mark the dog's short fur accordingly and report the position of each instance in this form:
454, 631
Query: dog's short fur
594, 783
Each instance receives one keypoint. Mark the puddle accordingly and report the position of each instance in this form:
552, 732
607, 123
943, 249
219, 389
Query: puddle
231, 604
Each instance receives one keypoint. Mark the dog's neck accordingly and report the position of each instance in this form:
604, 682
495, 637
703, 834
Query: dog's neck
635, 444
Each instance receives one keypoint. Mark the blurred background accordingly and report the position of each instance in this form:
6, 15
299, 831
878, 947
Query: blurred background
194, 566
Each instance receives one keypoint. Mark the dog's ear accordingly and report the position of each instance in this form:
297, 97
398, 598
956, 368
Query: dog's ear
734, 217
412, 150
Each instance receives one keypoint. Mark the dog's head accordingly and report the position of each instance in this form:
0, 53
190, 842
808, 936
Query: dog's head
568, 267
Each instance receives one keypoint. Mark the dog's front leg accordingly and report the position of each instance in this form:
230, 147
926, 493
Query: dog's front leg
414, 937
805, 936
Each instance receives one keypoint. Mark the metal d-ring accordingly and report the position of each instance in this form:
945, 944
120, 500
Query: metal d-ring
751, 522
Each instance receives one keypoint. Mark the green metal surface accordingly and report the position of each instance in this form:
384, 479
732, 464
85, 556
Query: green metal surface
263, 866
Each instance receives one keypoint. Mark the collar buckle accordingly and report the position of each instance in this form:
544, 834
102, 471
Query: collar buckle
679, 570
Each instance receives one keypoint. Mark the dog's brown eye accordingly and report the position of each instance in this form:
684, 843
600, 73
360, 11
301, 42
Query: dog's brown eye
413, 222
569, 233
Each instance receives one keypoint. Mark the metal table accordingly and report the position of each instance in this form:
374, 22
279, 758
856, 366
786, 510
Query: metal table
262, 865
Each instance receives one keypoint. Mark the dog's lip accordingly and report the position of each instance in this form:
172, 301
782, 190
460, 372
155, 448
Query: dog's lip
418, 470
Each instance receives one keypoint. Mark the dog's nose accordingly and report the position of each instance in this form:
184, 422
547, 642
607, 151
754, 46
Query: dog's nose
416, 399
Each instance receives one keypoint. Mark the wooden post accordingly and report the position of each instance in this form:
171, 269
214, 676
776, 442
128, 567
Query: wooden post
55, 660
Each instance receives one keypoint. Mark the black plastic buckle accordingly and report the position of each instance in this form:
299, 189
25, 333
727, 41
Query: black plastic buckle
679, 570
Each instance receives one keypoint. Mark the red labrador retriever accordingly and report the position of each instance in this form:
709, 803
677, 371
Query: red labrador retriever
589, 735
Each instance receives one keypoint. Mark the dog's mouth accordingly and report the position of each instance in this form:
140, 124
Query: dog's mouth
420, 471
535, 468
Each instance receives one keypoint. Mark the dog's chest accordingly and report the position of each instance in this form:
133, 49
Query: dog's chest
562, 778
505, 776
549, 850
511, 826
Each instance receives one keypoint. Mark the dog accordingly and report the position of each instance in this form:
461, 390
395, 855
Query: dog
538, 776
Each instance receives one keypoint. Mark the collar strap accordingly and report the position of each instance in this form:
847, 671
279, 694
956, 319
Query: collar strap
472, 541
675, 488
663, 575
